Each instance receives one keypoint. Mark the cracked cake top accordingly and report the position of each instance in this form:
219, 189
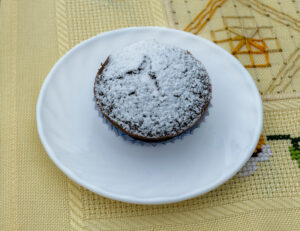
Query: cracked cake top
152, 91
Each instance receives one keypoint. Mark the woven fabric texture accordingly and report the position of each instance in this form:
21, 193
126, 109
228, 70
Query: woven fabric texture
263, 35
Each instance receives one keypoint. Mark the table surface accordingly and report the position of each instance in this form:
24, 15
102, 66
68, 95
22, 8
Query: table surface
263, 35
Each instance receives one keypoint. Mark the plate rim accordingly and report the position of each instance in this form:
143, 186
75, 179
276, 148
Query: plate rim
133, 199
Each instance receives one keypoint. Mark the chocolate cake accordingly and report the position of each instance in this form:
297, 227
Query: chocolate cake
152, 91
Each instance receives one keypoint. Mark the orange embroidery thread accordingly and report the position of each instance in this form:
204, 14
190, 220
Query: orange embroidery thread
258, 148
204, 16
245, 36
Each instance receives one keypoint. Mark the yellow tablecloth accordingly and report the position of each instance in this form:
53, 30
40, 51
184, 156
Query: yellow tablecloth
263, 35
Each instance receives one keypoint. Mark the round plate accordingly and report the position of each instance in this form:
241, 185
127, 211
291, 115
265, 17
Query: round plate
91, 154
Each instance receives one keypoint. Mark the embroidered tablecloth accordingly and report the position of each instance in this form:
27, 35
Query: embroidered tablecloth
263, 35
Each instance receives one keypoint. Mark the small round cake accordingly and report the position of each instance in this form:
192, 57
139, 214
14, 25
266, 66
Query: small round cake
152, 91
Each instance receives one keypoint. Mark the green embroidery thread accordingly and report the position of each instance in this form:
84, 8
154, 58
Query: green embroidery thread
294, 149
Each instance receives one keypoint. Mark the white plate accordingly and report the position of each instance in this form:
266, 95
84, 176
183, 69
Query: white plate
86, 150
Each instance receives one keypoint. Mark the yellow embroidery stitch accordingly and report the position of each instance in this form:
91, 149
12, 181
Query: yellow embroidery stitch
249, 38
204, 16
259, 145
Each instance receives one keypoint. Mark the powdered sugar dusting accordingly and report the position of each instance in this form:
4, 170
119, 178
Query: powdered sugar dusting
153, 90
